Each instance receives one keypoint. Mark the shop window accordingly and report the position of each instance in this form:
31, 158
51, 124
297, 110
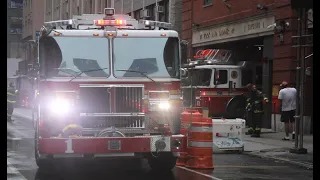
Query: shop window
207, 2
15, 4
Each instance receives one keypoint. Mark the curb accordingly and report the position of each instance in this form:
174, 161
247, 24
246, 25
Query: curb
300, 164
268, 132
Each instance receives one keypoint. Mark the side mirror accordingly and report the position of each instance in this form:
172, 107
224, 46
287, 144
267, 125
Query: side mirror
183, 72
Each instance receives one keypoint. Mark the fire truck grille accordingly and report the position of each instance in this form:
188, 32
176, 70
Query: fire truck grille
94, 100
128, 99
118, 122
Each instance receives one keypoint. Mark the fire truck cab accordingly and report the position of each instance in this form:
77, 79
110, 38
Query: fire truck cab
108, 86
217, 83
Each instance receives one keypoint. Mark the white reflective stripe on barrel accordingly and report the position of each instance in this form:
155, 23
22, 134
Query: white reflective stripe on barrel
201, 129
200, 144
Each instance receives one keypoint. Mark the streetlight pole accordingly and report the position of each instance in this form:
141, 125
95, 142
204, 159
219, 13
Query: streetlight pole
298, 148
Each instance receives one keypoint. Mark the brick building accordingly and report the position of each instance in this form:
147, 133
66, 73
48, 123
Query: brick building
242, 26
168, 11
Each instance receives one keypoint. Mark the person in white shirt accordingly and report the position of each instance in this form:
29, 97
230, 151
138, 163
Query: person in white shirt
287, 97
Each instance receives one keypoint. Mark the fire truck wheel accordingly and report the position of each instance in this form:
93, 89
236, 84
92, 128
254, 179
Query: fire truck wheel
163, 162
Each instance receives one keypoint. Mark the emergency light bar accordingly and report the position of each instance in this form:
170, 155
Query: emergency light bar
156, 24
110, 22
60, 23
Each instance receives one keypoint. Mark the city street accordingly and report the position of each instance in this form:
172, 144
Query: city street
21, 164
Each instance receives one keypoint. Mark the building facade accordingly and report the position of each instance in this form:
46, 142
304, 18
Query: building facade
168, 10
33, 18
243, 26
14, 28
65, 9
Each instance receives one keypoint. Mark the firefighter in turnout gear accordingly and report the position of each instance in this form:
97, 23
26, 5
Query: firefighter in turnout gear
11, 99
254, 107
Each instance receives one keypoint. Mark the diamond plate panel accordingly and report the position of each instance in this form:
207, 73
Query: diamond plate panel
153, 140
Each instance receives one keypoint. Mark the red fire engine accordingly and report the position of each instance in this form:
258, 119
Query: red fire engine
108, 86
215, 81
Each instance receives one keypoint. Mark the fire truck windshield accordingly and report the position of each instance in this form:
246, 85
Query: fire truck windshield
200, 77
67, 56
157, 57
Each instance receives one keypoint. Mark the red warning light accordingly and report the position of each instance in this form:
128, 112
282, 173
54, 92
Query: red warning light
110, 22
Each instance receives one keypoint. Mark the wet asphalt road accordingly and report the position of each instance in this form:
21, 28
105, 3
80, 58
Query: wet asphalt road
21, 165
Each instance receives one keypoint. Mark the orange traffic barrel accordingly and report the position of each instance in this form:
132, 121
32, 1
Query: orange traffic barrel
187, 117
200, 144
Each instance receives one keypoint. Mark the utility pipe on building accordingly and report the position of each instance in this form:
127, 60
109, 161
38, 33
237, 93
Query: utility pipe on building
112, 3
156, 18
169, 10
132, 11
143, 9
121, 6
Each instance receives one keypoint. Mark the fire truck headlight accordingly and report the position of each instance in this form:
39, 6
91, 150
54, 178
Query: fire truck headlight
164, 105
60, 106
159, 106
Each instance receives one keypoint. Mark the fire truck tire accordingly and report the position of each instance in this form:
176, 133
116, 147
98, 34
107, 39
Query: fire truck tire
163, 162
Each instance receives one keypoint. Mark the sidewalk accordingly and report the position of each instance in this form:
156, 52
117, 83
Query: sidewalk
22, 113
270, 146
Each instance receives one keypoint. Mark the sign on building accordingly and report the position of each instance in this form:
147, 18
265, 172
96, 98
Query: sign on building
233, 31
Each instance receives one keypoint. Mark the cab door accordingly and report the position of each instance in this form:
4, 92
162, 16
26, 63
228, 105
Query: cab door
235, 78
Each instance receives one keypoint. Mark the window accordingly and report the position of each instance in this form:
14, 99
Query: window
70, 54
157, 57
221, 77
199, 77
207, 2
15, 28
15, 4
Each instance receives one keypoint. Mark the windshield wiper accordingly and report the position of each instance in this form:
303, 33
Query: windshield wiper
68, 72
91, 70
139, 72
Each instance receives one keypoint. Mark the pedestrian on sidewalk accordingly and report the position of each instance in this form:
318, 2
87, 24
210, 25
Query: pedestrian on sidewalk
12, 93
287, 97
254, 108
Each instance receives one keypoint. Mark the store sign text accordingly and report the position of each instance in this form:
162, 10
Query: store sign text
212, 34
233, 30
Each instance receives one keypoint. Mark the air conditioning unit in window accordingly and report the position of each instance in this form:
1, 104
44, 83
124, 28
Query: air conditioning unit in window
160, 9
145, 13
